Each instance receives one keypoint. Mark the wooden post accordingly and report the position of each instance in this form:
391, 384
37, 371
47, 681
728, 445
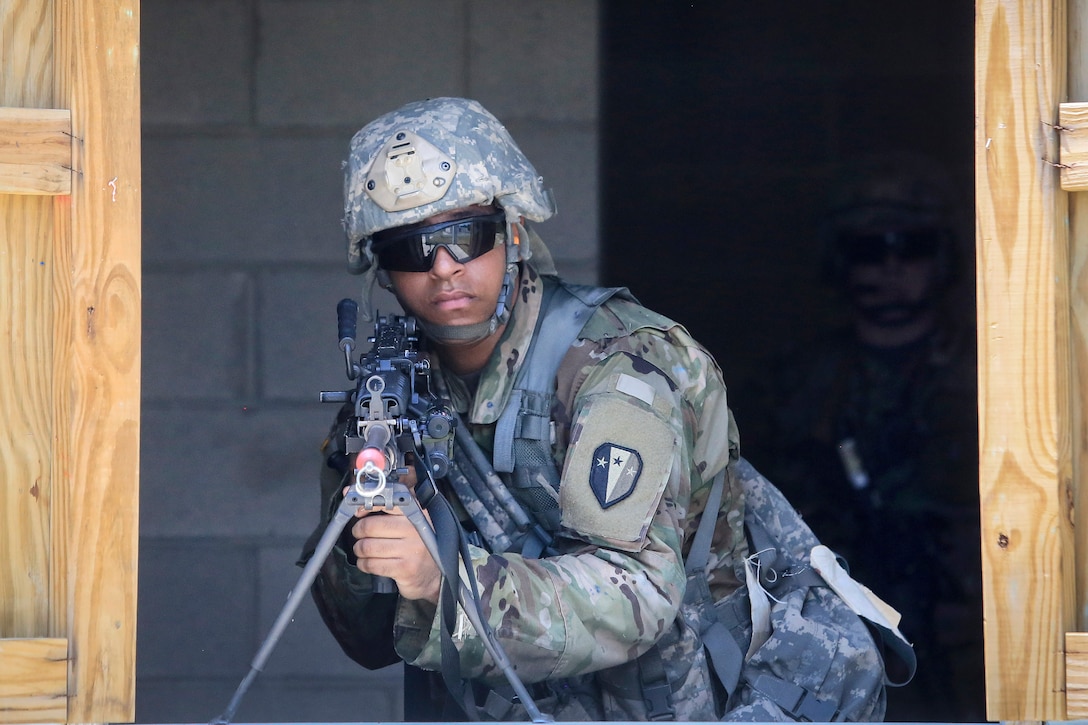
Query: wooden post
1078, 244
97, 373
1025, 394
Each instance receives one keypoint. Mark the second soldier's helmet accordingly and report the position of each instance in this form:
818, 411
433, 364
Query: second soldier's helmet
429, 157
900, 203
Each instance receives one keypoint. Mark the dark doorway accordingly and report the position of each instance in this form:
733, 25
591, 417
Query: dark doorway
722, 124
724, 128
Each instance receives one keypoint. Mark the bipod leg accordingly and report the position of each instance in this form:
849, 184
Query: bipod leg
343, 515
387, 497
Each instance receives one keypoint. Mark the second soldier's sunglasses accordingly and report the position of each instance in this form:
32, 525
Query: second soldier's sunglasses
413, 249
874, 247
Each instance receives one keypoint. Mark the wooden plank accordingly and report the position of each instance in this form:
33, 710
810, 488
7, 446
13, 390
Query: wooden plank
1073, 134
26, 392
1025, 466
26, 53
35, 151
1076, 675
98, 315
33, 672
33, 680
1078, 245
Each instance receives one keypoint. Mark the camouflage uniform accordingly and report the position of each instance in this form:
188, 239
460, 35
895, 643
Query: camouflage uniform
911, 533
642, 425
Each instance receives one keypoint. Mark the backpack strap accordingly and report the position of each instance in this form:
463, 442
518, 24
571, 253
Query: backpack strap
523, 433
564, 311
722, 648
646, 677
699, 554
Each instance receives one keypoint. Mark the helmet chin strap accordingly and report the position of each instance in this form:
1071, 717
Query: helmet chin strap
469, 334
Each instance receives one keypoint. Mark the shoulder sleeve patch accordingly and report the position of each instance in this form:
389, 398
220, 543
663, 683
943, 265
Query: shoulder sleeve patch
617, 469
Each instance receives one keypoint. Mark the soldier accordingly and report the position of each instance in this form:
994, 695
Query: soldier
871, 430
439, 201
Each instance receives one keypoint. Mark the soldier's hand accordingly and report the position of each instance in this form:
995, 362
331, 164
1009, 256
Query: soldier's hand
387, 544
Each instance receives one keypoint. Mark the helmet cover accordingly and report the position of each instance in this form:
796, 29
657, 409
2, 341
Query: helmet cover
892, 192
428, 157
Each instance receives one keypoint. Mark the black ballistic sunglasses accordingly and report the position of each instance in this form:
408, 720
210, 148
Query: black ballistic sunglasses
413, 249
874, 247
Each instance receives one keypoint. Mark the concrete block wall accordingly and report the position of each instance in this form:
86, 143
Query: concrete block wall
248, 107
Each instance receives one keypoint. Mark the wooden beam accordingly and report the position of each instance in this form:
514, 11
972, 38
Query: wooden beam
1025, 461
33, 680
96, 363
1078, 275
35, 151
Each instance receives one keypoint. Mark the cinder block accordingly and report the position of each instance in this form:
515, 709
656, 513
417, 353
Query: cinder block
535, 58
197, 337
197, 602
231, 471
300, 354
243, 199
341, 62
196, 68
565, 154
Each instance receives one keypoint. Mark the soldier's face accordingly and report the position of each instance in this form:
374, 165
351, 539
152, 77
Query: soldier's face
452, 292
893, 291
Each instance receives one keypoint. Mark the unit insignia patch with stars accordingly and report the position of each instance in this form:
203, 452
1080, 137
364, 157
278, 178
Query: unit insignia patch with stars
614, 474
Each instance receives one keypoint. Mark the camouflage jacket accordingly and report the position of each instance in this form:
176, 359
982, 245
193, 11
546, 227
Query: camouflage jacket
642, 425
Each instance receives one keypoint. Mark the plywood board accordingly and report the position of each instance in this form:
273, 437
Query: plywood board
1073, 133
1076, 675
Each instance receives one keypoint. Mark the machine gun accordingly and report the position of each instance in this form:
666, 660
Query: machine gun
397, 422
398, 419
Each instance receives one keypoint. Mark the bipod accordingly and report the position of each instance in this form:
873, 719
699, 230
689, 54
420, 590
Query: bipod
369, 491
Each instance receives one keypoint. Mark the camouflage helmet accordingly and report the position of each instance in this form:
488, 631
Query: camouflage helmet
882, 196
429, 157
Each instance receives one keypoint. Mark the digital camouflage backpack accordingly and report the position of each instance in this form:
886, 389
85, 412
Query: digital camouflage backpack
789, 645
